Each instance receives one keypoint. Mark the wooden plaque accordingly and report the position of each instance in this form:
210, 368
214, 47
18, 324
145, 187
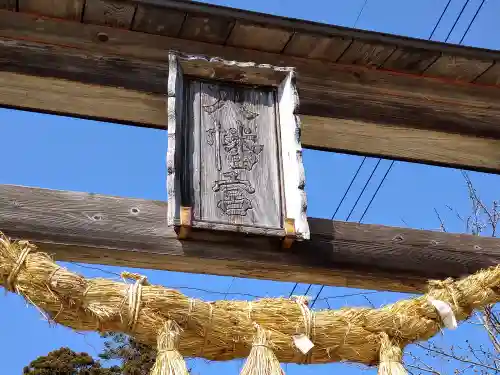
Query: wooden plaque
234, 157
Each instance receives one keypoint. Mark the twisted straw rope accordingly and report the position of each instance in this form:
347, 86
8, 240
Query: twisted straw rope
348, 334
169, 360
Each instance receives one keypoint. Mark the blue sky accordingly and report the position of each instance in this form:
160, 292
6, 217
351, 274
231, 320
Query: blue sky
71, 154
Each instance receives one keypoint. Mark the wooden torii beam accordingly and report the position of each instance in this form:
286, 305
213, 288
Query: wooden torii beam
105, 73
376, 95
92, 228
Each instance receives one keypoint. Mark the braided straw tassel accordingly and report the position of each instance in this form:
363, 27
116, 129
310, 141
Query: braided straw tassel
168, 360
261, 360
391, 357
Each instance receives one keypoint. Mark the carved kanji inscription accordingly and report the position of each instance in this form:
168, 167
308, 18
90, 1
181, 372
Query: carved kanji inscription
235, 151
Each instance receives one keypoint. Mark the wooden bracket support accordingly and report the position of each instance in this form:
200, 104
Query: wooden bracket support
290, 234
186, 216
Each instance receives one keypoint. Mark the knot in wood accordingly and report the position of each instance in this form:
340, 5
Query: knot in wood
398, 238
16, 203
170, 169
102, 37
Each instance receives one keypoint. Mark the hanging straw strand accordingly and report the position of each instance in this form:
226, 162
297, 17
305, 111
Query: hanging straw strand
261, 360
391, 357
168, 360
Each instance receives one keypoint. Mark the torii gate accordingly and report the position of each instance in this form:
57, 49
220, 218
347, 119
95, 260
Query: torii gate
421, 101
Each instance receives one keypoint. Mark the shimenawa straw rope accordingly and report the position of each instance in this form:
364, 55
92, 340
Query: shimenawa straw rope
168, 360
226, 329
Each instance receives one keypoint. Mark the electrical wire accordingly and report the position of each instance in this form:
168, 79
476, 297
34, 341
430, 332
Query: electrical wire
180, 287
472, 21
363, 190
439, 20
392, 163
336, 210
379, 160
360, 12
364, 213
349, 187
376, 192
456, 21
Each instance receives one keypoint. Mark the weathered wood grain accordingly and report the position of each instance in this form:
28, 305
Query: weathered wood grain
251, 37
417, 109
237, 147
126, 106
109, 12
8, 4
326, 89
176, 156
68, 9
75, 65
491, 76
315, 28
391, 99
214, 68
206, 29
92, 228
366, 53
157, 8
449, 107
362, 137
317, 46
458, 68
158, 20
411, 60
294, 179
65, 97
152, 47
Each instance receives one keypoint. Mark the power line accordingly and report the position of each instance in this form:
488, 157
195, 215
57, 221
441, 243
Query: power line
349, 187
366, 210
363, 190
439, 20
308, 289
352, 210
337, 209
317, 295
379, 160
376, 191
229, 287
350, 184
360, 12
392, 163
456, 21
472, 21
295, 287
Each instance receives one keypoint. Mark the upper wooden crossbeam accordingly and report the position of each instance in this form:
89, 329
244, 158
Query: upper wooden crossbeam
92, 228
220, 25
361, 92
103, 73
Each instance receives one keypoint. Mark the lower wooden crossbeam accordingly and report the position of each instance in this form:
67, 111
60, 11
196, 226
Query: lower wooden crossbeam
92, 228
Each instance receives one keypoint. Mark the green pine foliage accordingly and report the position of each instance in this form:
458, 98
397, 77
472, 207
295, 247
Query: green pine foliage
134, 359
64, 361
